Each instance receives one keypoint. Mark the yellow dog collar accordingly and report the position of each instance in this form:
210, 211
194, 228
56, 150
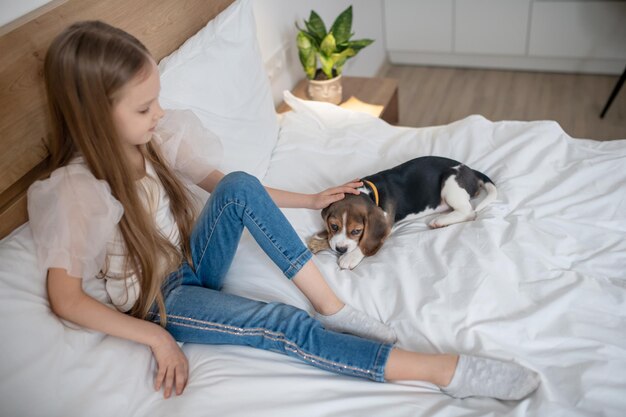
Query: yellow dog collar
374, 189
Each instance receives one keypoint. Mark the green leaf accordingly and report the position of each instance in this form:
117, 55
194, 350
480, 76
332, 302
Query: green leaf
303, 41
328, 45
306, 35
342, 26
306, 53
341, 58
360, 44
316, 26
311, 36
327, 65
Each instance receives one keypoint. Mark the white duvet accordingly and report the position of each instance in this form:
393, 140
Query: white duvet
539, 277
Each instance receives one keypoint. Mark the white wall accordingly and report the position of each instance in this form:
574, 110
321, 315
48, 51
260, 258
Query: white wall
12, 9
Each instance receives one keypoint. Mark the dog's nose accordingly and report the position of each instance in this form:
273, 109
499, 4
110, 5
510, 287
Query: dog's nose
341, 249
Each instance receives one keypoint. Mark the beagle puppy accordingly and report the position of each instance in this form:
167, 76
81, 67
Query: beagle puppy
358, 225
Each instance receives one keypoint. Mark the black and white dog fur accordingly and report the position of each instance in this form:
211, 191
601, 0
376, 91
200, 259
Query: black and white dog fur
358, 225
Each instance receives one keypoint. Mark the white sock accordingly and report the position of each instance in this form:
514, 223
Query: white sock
476, 376
349, 320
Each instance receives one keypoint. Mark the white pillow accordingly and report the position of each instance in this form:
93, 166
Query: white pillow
218, 74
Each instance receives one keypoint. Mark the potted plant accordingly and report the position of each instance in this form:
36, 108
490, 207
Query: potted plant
331, 49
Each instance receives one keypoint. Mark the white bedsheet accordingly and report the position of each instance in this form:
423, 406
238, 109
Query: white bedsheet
538, 278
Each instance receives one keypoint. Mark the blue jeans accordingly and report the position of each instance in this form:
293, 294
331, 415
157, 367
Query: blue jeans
197, 312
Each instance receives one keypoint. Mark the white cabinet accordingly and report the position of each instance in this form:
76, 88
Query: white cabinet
491, 26
424, 25
579, 29
553, 35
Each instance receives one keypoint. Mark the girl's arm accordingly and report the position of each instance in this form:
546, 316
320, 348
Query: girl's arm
288, 199
69, 301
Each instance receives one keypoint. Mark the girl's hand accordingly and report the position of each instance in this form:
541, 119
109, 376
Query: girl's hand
172, 365
329, 196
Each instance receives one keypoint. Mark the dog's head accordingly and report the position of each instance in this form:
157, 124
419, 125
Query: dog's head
355, 222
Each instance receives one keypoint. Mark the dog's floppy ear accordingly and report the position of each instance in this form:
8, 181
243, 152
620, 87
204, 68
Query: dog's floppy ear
325, 211
376, 230
318, 242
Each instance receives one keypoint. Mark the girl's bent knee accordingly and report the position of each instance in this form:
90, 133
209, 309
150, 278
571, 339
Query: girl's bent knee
240, 177
238, 185
240, 181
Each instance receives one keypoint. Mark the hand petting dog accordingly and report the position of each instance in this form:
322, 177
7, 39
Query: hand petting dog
327, 197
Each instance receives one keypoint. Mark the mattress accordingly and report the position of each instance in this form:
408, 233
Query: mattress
538, 278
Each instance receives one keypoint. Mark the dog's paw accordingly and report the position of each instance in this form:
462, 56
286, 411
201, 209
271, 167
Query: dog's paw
351, 259
454, 217
318, 242
435, 224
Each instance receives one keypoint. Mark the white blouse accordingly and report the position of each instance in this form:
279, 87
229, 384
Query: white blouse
74, 217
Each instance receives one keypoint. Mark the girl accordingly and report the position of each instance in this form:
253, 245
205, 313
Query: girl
117, 206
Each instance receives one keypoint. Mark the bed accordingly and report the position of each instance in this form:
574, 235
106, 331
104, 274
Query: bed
538, 277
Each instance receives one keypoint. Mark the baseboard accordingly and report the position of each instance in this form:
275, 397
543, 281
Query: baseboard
526, 63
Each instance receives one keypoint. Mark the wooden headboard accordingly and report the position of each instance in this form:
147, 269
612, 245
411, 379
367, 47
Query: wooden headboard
162, 25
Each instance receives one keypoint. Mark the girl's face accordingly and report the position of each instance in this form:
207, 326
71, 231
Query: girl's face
136, 109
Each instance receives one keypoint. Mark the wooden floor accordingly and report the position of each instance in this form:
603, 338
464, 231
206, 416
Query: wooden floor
436, 95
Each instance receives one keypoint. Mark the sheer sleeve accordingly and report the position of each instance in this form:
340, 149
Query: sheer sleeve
190, 148
72, 216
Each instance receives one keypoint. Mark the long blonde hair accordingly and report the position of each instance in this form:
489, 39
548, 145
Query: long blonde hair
85, 66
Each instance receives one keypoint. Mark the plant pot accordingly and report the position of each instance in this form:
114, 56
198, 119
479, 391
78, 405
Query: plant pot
326, 90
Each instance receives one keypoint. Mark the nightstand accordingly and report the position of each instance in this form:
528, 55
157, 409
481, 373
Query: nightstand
376, 96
